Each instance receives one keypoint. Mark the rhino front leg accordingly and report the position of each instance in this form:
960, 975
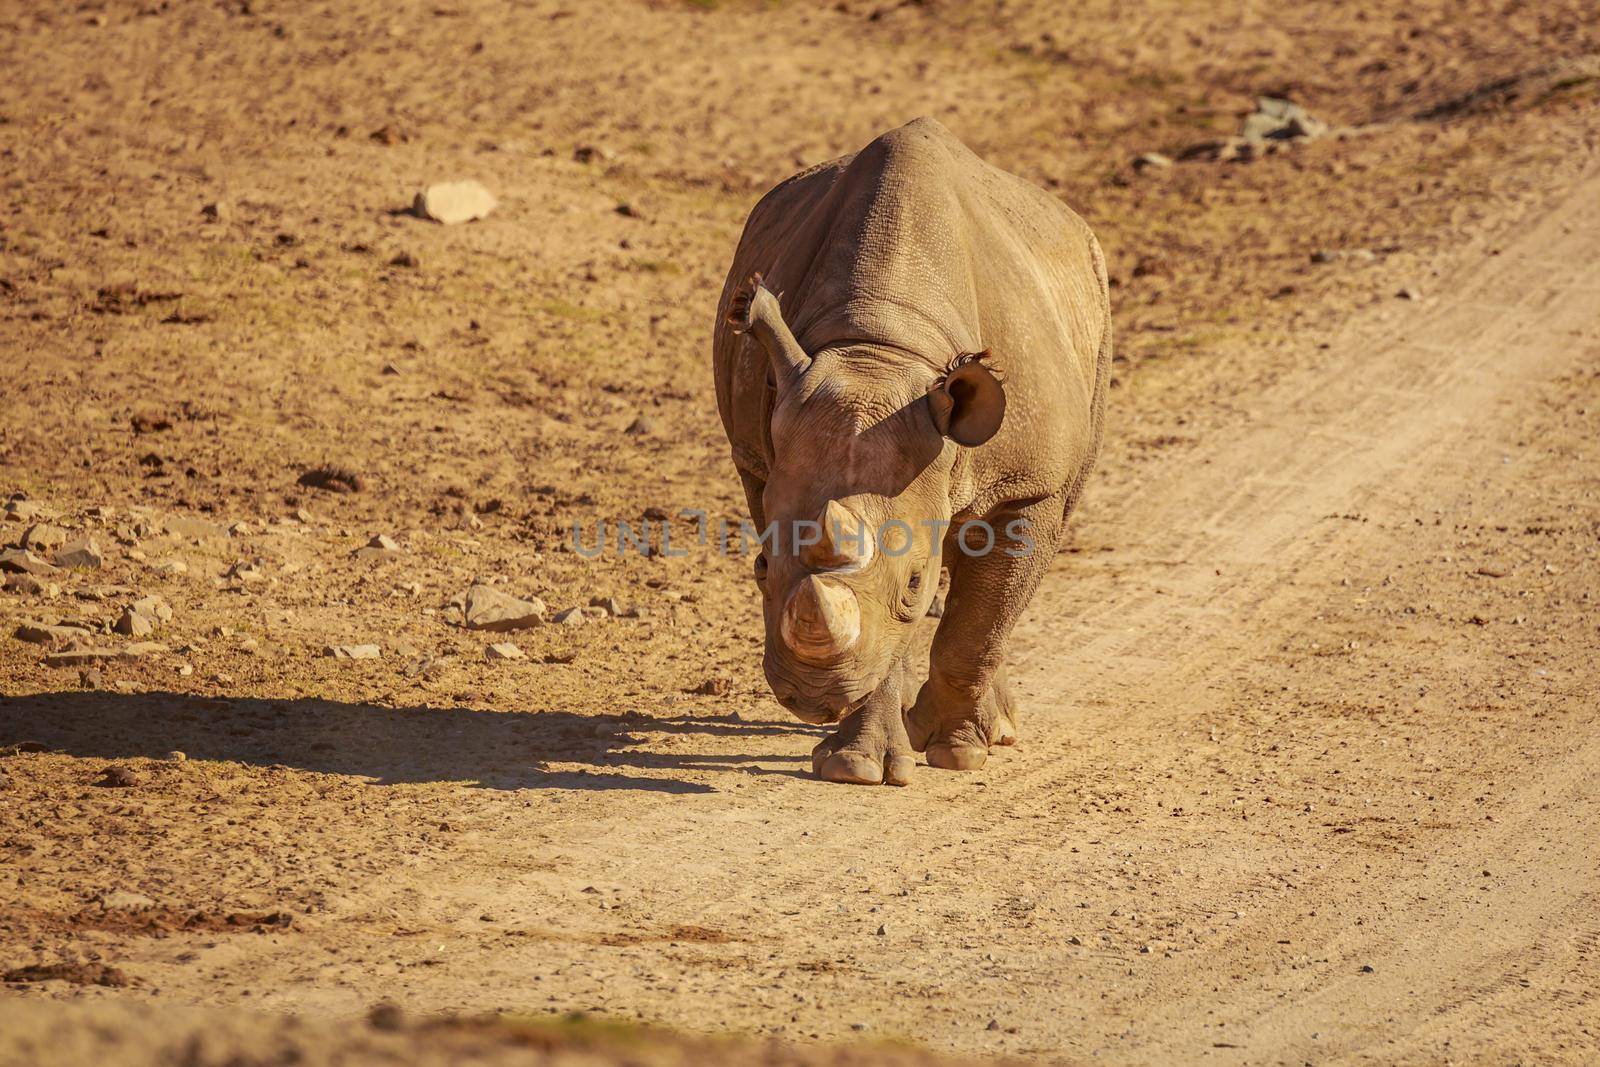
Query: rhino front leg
965, 707
870, 747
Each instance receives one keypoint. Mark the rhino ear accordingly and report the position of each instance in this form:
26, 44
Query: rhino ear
968, 404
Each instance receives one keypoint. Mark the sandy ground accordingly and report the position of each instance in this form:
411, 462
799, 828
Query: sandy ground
1310, 722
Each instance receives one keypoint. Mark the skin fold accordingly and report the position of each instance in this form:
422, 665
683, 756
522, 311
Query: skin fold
909, 339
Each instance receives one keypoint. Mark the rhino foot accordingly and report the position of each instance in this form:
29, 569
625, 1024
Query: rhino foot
956, 737
869, 748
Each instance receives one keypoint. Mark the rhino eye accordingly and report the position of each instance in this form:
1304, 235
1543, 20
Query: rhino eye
761, 567
915, 583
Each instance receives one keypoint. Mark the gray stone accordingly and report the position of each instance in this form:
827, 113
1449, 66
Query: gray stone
454, 202
569, 617
84, 552
486, 608
503, 651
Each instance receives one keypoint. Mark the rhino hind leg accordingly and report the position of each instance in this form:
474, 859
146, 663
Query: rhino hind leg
870, 747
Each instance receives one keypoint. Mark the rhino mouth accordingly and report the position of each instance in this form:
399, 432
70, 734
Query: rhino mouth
810, 712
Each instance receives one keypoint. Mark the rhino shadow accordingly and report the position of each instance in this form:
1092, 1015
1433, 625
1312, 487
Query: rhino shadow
389, 745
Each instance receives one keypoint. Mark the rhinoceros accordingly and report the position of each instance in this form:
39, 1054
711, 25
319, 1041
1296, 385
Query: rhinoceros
912, 353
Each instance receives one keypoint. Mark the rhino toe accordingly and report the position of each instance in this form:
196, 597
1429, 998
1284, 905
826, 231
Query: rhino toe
957, 757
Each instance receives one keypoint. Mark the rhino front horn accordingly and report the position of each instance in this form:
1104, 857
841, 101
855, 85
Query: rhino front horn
844, 541
822, 620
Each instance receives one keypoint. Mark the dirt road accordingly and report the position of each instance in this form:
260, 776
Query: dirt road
1306, 774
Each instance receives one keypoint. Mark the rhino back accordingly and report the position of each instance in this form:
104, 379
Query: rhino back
917, 243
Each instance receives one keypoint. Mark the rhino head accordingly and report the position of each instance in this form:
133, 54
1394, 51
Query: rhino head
856, 502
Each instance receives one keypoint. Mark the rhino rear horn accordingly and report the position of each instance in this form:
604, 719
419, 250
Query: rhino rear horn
754, 310
968, 403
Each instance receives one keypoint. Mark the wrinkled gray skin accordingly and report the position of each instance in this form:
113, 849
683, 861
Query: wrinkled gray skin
877, 272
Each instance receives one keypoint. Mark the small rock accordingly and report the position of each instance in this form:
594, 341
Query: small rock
883, 929
380, 547
43, 537
84, 552
503, 650
185, 670
40, 633
171, 567
244, 571
386, 1017
82, 657
92, 678
588, 153
21, 561
194, 529
713, 687
28, 585
134, 624
486, 608
1151, 161
569, 617
405, 259
994, 1024
216, 211
1409, 293
117, 776
608, 604
241, 529
1367, 968
19, 510
177, 757
303, 517
454, 202
640, 426
353, 651
153, 608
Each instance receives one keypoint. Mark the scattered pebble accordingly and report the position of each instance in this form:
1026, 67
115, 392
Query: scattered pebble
569, 617
171, 567
454, 202
353, 651
380, 547
1151, 161
503, 650
193, 529
117, 776
486, 608
1409, 293
640, 427
133, 624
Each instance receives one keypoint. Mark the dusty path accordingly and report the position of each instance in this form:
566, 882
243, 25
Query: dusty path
1307, 769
